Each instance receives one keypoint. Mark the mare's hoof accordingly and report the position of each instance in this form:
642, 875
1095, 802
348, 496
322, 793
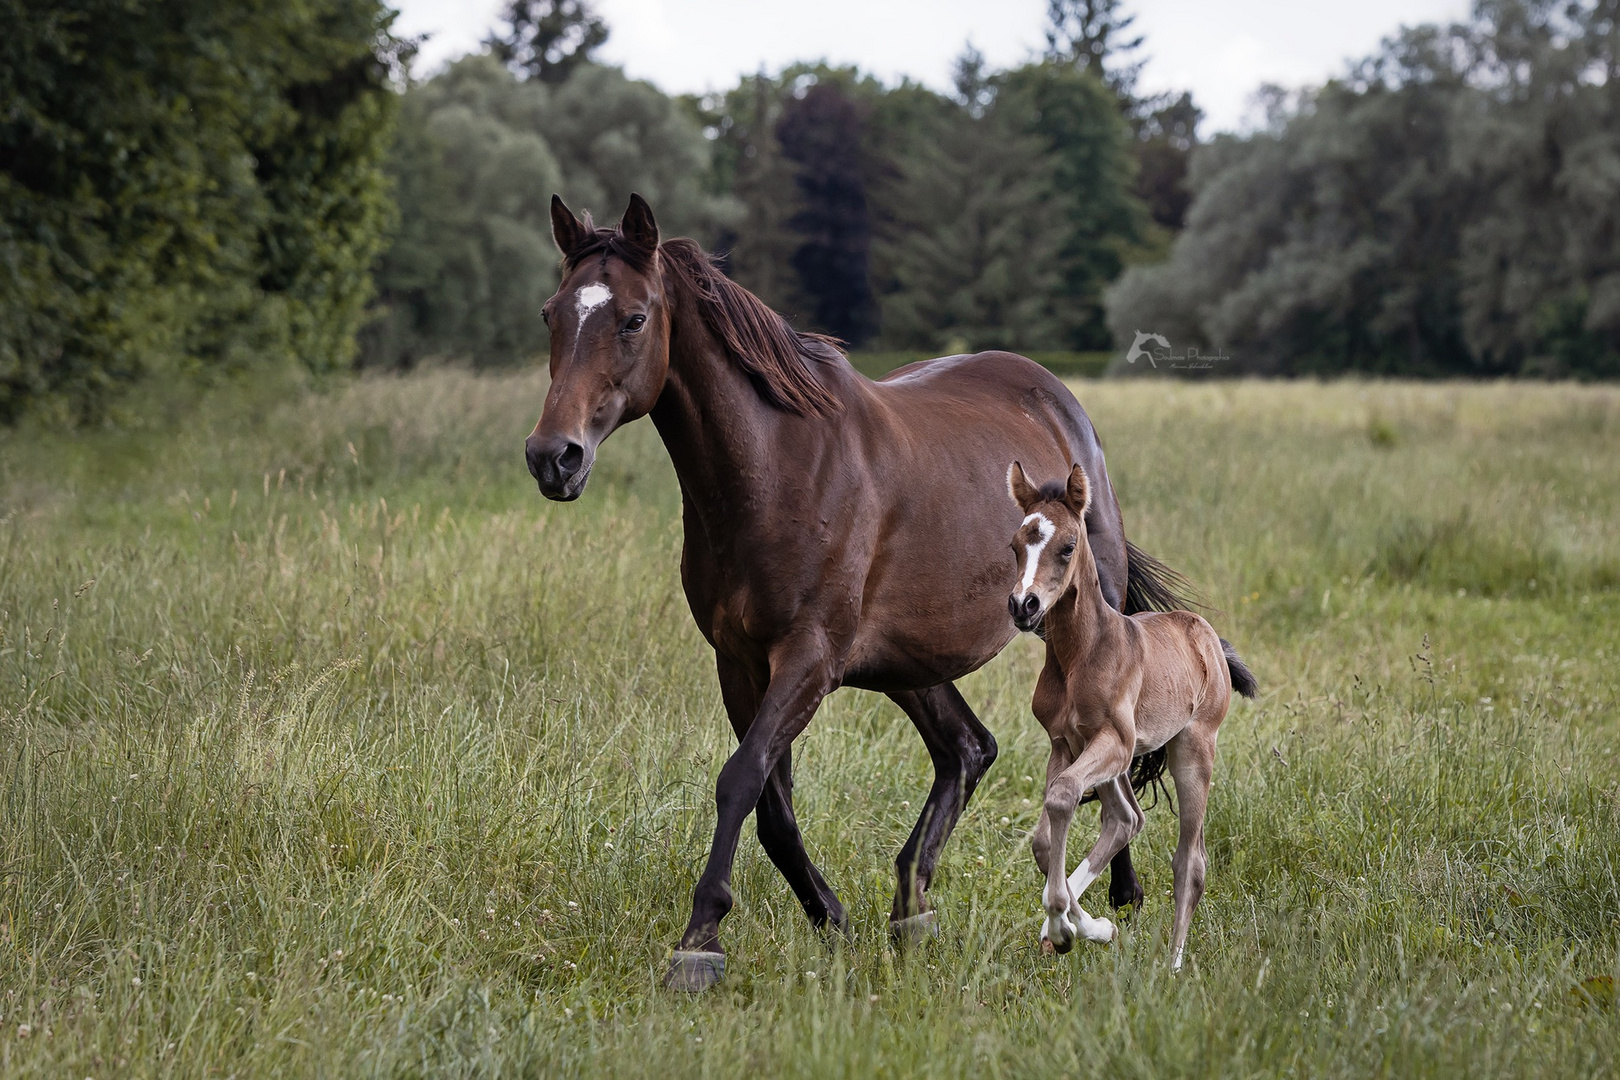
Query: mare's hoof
692, 971
1128, 899
915, 929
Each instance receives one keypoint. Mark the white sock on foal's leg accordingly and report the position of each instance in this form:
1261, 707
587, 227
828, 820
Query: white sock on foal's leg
1091, 929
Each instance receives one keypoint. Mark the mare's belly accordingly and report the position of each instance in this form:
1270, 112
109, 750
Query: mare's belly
896, 651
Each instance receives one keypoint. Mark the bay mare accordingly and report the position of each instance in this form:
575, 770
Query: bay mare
838, 531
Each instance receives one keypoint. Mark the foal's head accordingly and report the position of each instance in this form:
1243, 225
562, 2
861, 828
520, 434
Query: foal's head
1053, 532
609, 324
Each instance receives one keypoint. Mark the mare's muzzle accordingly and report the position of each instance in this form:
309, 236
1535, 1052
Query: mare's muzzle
1026, 612
559, 466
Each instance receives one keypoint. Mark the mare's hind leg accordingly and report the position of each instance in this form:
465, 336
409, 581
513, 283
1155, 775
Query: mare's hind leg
1124, 887
962, 750
773, 816
1192, 764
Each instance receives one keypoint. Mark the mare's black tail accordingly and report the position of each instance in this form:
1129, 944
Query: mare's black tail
1242, 678
1151, 586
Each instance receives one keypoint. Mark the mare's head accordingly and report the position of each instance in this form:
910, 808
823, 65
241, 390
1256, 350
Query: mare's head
610, 324
1052, 533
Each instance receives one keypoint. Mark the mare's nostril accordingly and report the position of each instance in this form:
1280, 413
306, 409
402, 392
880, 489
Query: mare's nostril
569, 461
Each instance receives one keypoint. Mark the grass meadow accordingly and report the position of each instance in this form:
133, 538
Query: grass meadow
327, 747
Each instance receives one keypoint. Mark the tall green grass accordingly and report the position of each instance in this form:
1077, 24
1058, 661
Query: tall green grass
328, 748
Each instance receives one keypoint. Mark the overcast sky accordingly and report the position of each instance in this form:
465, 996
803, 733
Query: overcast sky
1221, 51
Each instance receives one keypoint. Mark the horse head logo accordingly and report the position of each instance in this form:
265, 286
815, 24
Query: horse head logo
1137, 350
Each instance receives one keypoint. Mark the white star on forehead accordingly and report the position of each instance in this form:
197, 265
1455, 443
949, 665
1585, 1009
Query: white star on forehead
590, 298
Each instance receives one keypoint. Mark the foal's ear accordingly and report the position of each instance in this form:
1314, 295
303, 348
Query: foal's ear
638, 226
1022, 491
566, 229
1078, 495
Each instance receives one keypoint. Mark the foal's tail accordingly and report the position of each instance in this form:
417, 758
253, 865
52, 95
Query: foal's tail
1242, 678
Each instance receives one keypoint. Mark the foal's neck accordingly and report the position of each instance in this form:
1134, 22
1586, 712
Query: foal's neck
1081, 618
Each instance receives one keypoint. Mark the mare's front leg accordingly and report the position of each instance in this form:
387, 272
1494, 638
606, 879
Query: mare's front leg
801, 675
962, 750
778, 828
1104, 758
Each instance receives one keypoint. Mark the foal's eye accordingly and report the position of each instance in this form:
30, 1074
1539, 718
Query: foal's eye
1067, 553
634, 323
545, 316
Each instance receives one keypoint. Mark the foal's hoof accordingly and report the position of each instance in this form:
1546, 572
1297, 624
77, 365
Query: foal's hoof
915, 929
1057, 934
693, 972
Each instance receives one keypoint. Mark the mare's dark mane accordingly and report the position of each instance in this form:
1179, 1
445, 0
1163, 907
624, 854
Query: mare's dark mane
779, 358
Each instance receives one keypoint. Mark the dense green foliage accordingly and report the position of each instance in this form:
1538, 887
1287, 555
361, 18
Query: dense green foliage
547, 39
185, 186
993, 217
332, 750
1452, 206
478, 157
887, 215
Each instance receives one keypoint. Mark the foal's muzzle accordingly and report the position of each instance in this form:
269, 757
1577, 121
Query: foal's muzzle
560, 466
1026, 612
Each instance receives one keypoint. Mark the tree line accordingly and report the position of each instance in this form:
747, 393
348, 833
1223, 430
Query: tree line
890, 216
191, 188
186, 186
1450, 207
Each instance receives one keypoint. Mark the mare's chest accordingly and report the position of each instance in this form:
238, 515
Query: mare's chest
749, 587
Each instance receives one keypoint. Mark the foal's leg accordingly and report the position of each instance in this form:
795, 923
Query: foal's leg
1191, 763
773, 817
800, 678
1040, 841
1104, 758
962, 750
1122, 819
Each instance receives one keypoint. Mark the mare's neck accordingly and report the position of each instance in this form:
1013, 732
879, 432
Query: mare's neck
713, 422
1081, 619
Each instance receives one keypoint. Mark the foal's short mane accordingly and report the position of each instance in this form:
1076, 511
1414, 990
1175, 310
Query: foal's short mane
780, 359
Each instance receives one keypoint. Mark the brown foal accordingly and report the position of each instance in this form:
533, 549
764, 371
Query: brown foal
1114, 687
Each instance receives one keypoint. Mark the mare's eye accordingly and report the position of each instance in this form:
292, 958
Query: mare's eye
634, 323
1067, 553
545, 316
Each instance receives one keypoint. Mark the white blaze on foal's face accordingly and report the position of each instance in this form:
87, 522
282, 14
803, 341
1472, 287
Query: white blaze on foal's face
1044, 547
1033, 546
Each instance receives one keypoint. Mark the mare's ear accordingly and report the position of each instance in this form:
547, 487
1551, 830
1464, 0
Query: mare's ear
1022, 491
638, 226
1078, 494
566, 229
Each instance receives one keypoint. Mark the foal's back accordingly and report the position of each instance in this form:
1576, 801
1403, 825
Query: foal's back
1184, 676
